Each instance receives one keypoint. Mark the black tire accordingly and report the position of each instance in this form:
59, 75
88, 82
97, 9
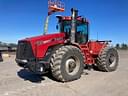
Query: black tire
67, 63
108, 59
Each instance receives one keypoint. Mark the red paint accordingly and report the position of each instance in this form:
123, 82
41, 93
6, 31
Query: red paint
96, 47
40, 44
69, 18
91, 50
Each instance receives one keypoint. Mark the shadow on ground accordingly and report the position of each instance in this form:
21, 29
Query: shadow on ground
26, 75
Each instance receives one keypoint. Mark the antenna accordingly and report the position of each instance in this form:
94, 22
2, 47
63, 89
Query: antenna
97, 36
53, 6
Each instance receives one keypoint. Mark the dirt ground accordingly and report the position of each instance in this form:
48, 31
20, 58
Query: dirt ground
15, 81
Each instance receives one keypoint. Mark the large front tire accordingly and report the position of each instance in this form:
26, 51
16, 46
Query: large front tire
108, 59
67, 63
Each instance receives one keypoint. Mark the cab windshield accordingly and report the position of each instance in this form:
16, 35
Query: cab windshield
81, 28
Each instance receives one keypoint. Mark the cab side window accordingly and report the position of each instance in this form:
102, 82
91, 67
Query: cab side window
81, 34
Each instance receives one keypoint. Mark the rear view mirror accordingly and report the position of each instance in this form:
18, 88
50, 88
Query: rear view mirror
57, 27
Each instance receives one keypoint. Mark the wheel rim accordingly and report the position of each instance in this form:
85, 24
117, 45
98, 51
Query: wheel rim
112, 60
72, 65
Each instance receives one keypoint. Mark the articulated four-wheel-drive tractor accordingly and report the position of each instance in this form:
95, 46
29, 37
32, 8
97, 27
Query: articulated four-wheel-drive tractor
65, 54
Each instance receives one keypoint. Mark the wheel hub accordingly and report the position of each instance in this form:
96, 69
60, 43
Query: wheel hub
72, 66
112, 60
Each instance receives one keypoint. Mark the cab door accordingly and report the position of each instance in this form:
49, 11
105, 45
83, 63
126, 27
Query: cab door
82, 33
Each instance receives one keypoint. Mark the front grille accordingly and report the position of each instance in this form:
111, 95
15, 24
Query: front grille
24, 50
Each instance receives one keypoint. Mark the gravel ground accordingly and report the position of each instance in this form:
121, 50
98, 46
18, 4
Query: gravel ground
15, 81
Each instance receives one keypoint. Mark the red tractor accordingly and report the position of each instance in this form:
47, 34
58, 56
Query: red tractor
66, 54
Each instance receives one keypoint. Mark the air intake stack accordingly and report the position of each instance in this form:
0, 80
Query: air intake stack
73, 24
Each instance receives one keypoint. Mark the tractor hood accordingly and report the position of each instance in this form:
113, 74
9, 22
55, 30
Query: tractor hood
40, 44
44, 38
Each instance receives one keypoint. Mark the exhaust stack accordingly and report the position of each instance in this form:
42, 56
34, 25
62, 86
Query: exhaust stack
73, 24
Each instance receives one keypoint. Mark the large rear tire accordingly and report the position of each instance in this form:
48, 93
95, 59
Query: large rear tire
108, 59
67, 63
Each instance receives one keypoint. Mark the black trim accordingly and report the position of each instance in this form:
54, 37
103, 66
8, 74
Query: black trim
88, 34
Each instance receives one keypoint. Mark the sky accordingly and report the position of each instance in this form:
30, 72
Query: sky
25, 18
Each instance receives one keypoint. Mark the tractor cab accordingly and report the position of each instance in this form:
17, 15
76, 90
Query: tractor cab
81, 28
